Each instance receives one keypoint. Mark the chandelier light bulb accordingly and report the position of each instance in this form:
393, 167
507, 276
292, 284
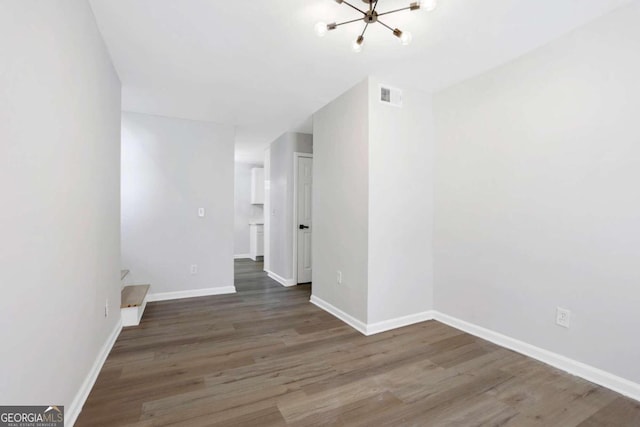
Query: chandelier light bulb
357, 45
321, 29
428, 5
405, 38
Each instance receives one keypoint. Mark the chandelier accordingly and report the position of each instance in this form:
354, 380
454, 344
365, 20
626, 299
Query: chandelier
371, 16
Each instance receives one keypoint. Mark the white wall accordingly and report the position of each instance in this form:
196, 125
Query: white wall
267, 208
245, 212
281, 200
60, 186
373, 204
170, 168
401, 144
537, 201
340, 201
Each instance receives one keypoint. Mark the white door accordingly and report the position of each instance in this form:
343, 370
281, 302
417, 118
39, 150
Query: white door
304, 187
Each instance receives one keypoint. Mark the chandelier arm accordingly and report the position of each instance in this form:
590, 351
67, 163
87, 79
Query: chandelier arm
374, 6
385, 25
349, 22
394, 11
353, 7
365, 29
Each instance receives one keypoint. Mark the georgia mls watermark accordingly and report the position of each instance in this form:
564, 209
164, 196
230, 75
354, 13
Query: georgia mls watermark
32, 416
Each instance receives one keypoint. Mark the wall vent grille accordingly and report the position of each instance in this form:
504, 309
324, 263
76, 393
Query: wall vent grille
390, 96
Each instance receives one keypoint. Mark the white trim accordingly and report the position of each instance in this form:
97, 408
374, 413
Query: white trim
165, 296
582, 370
242, 256
296, 157
356, 324
83, 393
281, 280
373, 328
399, 322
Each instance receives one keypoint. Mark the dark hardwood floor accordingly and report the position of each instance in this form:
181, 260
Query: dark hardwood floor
267, 357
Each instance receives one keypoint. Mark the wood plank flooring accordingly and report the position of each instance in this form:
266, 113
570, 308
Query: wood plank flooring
267, 357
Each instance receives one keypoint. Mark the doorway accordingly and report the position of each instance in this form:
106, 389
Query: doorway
302, 219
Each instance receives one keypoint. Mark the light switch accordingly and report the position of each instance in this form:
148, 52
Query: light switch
201, 212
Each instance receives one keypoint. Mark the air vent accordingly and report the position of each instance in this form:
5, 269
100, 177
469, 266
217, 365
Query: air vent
390, 96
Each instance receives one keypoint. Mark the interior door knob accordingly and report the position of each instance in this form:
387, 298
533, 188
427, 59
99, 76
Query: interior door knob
303, 227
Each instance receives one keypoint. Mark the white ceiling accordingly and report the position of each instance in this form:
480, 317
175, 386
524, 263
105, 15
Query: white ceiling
258, 65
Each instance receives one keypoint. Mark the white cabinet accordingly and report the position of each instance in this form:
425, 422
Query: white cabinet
256, 240
257, 186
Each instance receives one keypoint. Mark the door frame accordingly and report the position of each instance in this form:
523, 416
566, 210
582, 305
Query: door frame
296, 157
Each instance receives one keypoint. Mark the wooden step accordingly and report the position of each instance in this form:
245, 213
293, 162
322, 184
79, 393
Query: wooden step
123, 274
134, 295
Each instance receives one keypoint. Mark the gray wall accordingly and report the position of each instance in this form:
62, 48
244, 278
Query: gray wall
537, 201
373, 204
340, 201
60, 186
244, 210
401, 144
281, 200
170, 168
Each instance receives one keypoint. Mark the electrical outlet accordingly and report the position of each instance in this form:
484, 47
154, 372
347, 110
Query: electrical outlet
106, 308
201, 212
194, 269
339, 277
563, 317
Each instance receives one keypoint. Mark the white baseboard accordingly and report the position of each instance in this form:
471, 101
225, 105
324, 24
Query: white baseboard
399, 322
582, 370
164, 296
242, 256
335, 311
281, 280
71, 415
373, 328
